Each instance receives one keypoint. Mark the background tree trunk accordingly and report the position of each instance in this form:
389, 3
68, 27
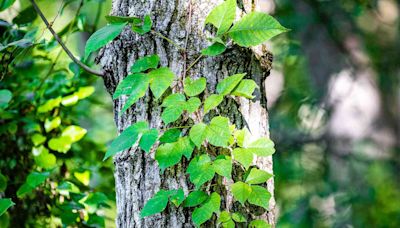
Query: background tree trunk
137, 175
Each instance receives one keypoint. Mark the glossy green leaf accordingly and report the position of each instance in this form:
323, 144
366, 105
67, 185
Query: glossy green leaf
5, 204
222, 16
259, 196
75, 133
212, 102
200, 170
149, 137
198, 134
173, 100
218, 132
257, 176
49, 105
224, 217
223, 166
5, 98
241, 191
229, 83
33, 180
259, 224
83, 177
4, 4
122, 19
192, 104
43, 158
60, 144
195, 198
170, 154
176, 197
156, 204
52, 124
103, 36
126, 139
245, 89
38, 139
243, 156
262, 147
145, 63
69, 100
205, 212
194, 87
170, 136
172, 113
143, 28
237, 217
161, 79
254, 29
214, 49
131, 85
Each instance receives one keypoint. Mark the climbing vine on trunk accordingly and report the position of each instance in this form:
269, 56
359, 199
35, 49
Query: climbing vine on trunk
210, 144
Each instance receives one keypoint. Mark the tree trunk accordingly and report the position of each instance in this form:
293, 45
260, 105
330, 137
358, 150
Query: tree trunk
137, 176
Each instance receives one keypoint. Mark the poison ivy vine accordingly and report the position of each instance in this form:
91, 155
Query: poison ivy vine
229, 145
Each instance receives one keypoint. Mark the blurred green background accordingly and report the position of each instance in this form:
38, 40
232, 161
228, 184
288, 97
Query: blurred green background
333, 98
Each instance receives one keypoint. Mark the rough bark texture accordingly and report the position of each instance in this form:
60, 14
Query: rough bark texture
137, 175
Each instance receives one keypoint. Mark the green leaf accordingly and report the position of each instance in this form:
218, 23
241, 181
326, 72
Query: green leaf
200, 170
172, 113
222, 16
145, 27
156, 204
126, 139
148, 139
259, 196
69, 100
3, 182
96, 199
212, 102
134, 85
224, 217
83, 177
145, 63
241, 191
103, 36
49, 105
5, 98
198, 134
177, 197
26, 16
237, 217
75, 133
194, 87
138, 90
214, 49
170, 135
262, 147
223, 166
33, 180
122, 19
38, 139
4, 5
161, 79
60, 144
52, 124
204, 213
5, 204
170, 154
218, 132
229, 83
195, 198
84, 92
245, 88
192, 104
173, 100
43, 158
254, 29
242, 137
257, 176
259, 224
243, 156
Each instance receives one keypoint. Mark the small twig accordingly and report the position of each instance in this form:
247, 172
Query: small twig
85, 67
194, 62
167, 39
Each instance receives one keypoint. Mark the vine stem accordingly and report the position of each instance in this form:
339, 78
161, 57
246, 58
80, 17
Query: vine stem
167, 39
69, 53
194, 62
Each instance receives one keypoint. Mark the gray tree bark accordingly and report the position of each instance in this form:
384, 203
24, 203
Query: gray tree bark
137, 175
